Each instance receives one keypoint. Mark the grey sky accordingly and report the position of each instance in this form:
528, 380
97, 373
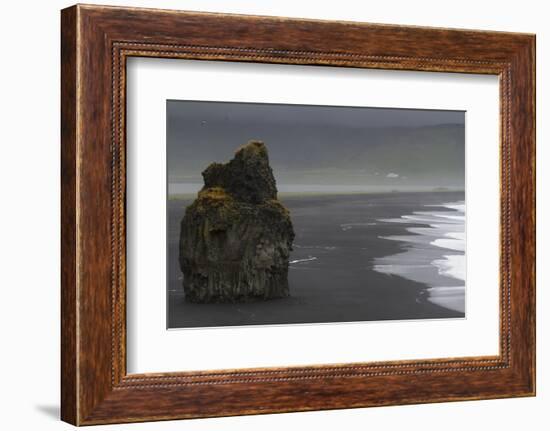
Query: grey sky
321, 144
339, 116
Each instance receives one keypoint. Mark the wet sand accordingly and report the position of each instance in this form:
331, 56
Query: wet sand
331, 275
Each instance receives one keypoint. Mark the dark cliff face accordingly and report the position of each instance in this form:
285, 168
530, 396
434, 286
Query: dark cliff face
247, 177
236, 237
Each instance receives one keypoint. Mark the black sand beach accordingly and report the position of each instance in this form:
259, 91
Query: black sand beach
331, 273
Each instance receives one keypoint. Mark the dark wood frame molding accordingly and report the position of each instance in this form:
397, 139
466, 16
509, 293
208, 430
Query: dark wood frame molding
95, 43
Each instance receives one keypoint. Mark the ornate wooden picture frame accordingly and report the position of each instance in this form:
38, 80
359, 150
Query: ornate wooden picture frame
96, 41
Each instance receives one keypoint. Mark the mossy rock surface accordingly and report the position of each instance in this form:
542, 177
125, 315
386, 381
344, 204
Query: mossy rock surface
236, 237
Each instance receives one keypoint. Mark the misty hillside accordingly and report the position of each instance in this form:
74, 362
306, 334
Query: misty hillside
429, 155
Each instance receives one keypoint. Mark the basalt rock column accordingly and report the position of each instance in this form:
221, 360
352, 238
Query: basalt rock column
236, 237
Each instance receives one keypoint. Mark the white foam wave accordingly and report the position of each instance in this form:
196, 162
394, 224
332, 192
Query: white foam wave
448, 297
449, 243
441, 229
453, 265
309, 259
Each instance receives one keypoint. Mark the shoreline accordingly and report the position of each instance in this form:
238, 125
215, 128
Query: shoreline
435, 253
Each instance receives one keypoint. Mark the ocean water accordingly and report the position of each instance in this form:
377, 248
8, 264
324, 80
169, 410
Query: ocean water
434, 252
355, 257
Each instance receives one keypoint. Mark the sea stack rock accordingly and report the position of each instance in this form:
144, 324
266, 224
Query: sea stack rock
236, 237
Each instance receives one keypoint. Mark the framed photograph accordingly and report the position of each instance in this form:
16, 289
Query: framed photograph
265, 214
